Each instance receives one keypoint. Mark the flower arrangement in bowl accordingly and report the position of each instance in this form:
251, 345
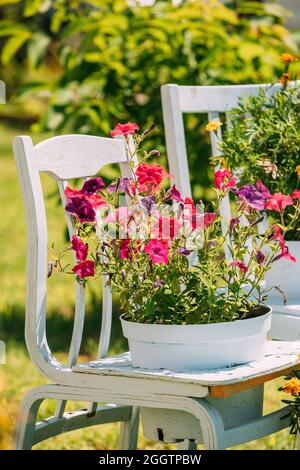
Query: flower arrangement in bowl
191, 291
263, 143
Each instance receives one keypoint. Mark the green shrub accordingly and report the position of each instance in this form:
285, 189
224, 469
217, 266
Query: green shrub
103, 61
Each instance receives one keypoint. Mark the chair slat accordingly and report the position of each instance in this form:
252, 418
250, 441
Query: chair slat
77, 156
205, 99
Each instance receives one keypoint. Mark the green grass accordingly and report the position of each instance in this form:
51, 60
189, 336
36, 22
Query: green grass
19, 374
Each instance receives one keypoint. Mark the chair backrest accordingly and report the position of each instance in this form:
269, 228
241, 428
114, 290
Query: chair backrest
210, 100
63, 158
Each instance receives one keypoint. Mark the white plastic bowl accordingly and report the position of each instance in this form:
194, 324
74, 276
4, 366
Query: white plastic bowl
182, 347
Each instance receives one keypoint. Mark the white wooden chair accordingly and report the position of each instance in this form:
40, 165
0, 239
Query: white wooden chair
219, 408
213, 101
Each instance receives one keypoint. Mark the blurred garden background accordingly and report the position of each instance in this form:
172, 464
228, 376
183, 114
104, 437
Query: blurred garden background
81, 67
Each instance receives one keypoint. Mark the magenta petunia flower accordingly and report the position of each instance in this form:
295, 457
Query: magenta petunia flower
124, 248
174, 194
92, 185
278, 202
80, 248
260, 257
124, 129
233, 222
240, 265
158, 250
149, 176
263, 189
285, 254
84, 269
224, 179
252, 197
296, 194
82, 208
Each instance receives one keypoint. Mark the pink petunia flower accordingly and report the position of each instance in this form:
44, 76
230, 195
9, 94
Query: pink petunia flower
126, 248
296, 194
263, 189
168, 228
240, 265
80, 248
174, 194
124, 129
278, 236
285, 254
224, 179
158, 251
85, 269
149, 176
278, 202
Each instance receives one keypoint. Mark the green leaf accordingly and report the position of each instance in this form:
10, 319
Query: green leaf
37, 49
12, 46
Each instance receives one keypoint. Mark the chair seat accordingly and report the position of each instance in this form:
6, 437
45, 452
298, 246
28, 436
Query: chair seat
280, 358
291, 308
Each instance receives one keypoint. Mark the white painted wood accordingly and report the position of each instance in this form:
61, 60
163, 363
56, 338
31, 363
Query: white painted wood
175, 138
79, 305
208, 417
129, 430
205, 99
77, 156
279, 356
80, 419
2, 92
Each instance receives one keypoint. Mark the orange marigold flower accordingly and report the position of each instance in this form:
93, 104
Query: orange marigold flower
297, 170
292, 386
287, 58
213, 125
285, 78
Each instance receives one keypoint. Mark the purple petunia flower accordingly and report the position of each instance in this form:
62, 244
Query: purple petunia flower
174, 194
82, 208
147, 202
260, 257
122, 186
252, 197
158, 283
263, 189
233, 222
92, 185
184, 251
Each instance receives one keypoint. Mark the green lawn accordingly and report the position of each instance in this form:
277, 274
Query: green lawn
19, 374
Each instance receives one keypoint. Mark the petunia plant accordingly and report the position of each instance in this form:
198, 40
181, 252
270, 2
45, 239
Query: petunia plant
263, 141
170, 260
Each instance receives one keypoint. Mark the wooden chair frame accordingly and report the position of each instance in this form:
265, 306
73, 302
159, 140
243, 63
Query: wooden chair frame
114, 380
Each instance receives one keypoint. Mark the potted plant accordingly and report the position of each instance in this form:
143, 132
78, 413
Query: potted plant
192, 296
264, 144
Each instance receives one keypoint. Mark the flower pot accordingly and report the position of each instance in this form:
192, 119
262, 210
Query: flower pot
207, 346
286, 275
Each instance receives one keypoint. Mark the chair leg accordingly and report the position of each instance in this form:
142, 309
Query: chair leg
129, 431
187, 444
26, 421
